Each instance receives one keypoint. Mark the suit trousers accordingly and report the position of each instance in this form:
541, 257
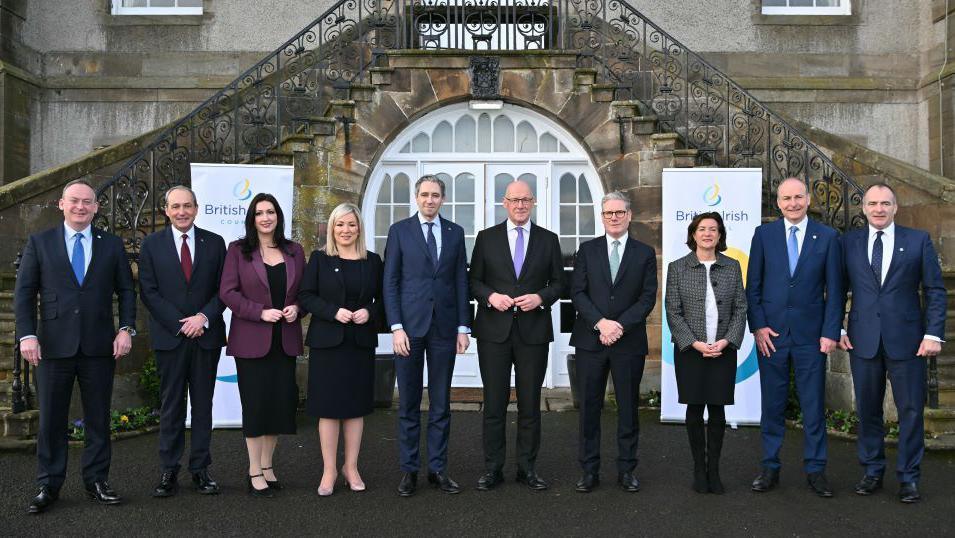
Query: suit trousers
907, 375
530, 365
627, 372
55, 378
187, 367
809, 368
440, 351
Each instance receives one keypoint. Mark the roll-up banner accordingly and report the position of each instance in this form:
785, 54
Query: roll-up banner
735, 193
223, 192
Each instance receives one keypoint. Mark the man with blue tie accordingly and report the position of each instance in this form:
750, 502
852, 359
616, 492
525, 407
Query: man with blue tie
180, 268
426, 305
891, 331
75, 270
794, 296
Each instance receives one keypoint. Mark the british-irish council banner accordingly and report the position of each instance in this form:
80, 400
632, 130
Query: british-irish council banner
224, 192
735, 194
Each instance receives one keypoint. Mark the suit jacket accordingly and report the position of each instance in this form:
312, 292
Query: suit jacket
686, 300
245, 290
802, 307
322, 293
893, 313
629, 299
73, 318
492, 271
169, 298
416, 293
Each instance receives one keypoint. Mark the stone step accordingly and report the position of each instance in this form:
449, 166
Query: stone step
938, 421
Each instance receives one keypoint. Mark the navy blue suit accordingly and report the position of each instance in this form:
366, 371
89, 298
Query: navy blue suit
76, 333
886, 325
801, 307
430, 301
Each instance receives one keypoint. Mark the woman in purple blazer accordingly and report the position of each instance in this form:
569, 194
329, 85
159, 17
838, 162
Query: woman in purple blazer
260, 283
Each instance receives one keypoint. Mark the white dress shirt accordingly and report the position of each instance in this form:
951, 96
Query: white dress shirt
623, 245
512, 236
800, 232
712, 314
436, 229
888, 246
191, 241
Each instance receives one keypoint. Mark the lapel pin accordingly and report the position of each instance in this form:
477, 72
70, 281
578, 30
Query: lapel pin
814, 236
336, 269
99, 236
901, 249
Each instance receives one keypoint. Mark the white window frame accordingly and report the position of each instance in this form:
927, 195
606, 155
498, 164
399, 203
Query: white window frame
119, 9
845, 8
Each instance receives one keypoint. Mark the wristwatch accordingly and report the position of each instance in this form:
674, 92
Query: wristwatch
130, 330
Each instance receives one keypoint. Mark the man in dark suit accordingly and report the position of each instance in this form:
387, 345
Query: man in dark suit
179, 272
516, 274
891, 331
794, 293
614, 288
75, 269
426, 306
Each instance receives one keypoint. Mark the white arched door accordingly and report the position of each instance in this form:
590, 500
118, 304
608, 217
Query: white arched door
477, 153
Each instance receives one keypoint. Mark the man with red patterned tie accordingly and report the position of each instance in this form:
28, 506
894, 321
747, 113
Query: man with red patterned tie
179, 272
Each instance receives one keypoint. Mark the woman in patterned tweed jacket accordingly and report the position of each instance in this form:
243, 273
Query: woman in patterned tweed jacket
706, 312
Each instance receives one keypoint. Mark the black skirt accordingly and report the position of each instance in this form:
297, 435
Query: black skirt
704, 380
269, 394
341, 381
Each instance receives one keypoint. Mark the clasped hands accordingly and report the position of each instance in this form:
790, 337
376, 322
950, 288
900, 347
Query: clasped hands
501, 302
610, 331
357, 317
289, 314
710, 351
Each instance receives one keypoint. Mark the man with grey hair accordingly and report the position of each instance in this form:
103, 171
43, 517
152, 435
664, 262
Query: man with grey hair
614, 289
180, 268
426, 305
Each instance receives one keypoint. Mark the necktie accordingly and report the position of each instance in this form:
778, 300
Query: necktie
432, 244
185, 257
519, 252
793, 250
614, 260
877, 257
79, 258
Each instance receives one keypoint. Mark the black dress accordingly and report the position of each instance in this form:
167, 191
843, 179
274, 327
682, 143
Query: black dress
267, 387
341, 379
702, 380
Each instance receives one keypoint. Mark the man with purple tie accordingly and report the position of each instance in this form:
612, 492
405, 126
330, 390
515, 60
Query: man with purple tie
513, 327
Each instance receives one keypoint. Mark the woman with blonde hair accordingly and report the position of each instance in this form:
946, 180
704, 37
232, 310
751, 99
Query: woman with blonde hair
342, 290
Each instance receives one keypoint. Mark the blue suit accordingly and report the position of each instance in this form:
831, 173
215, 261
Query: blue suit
430, 301
801, 307
886, 325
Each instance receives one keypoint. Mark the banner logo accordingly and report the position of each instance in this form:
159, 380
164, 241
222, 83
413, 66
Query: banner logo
241, 190
711, 196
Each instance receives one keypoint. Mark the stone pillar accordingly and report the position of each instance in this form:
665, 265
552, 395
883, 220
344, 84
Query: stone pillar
17, 85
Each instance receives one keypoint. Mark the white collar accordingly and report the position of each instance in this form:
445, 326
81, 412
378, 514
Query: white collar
610, 239
889, 231
801, 224
87, 232
191, 232
511, 226
422, 220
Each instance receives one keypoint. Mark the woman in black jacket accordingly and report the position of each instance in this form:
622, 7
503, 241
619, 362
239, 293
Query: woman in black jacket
342, 290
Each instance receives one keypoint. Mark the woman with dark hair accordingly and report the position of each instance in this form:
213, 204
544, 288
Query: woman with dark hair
706, 313
260, 284
342, 291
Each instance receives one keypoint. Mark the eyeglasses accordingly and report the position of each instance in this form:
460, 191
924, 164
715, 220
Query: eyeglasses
520, 201
620, 213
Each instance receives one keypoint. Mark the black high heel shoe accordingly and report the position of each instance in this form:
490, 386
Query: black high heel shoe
255, 492
273, 484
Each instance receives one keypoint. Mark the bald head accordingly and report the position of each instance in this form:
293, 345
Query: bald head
519, 201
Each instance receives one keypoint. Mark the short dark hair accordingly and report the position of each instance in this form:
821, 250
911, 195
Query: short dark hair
695, 223
431, 178
882, 185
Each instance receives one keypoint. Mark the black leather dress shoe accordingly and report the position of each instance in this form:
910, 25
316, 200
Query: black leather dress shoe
767, 480
444, 482
490, 480
102, 493
168, 485
532, 480
264, 493
408, 484
628, 482
274, 485
819, 485
909, 492
204, 483
869, 485
587, 483
43, 500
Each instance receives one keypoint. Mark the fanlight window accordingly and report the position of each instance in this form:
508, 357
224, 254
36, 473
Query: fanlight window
484, 134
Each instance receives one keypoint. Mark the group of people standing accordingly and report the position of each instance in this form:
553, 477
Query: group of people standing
794, 299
